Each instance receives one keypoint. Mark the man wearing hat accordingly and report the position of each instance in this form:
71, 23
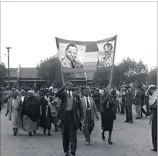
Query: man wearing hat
128, 104
69, 115
153, 92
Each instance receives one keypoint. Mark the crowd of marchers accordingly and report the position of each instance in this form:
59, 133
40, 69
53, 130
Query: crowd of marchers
71, 108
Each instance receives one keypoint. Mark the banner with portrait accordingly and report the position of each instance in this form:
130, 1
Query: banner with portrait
81, 59
106, 53
71, 55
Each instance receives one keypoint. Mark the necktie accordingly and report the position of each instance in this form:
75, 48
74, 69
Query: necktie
88, 106
69, 94
72, 64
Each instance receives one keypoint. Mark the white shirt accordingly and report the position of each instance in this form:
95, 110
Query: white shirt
22, 98
70, 93
117, 95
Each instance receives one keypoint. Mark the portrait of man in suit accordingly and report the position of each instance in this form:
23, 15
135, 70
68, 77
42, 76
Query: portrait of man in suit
105, 60
70, 60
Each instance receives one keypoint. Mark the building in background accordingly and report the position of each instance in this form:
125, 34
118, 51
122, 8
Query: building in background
24, 78
28, 77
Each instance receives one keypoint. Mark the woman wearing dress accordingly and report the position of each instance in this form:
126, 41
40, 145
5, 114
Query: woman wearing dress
14, 108
108, 115
31, 113
46, 113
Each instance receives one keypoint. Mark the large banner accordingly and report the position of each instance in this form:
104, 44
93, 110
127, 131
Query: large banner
76, 57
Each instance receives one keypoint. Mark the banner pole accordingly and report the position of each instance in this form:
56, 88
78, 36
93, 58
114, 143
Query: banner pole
61, 71
62, 74
111, 74
112, 70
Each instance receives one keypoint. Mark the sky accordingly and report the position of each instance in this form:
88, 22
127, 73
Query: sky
30, 28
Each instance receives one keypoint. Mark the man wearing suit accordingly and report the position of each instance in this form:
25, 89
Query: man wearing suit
70, 59
137, 102
128, 104
89, 114
70, 114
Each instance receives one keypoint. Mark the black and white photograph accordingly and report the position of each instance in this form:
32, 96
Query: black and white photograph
78, 78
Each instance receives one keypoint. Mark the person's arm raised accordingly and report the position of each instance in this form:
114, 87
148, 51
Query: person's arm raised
58, 93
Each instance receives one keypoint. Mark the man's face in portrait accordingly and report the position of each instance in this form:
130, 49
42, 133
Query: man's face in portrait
108, 48
71, 52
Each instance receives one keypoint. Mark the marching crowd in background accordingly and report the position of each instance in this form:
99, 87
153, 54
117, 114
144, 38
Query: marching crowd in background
71, 108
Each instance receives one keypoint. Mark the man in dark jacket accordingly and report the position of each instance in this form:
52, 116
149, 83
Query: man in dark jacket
137, 101
70, 115
128, 104
96, 98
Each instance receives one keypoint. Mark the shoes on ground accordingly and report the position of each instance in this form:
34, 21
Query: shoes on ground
131, 121
138, 118
67, 154
110, 142
87, 143
154, 150
125, 121
30, 134
103, 137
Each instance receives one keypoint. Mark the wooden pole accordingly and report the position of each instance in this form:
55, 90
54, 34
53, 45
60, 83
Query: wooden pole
8, 48
111, 74
61, 70
112, 70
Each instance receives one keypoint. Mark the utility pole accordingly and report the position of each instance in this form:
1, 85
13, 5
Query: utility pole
8, 48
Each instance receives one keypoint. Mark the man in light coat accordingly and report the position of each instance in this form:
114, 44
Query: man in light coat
89, 113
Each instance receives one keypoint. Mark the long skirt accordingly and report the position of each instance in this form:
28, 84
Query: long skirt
29, 125
16, 120
107, 121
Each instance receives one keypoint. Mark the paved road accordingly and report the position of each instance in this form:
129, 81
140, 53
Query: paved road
129, 140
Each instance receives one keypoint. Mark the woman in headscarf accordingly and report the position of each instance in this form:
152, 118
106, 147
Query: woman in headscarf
45, 111
14, 108
108, 114
31, 113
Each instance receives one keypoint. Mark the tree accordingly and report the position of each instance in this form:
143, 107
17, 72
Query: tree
127, 71
2, 72
133, 71
152, 76
49, 69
